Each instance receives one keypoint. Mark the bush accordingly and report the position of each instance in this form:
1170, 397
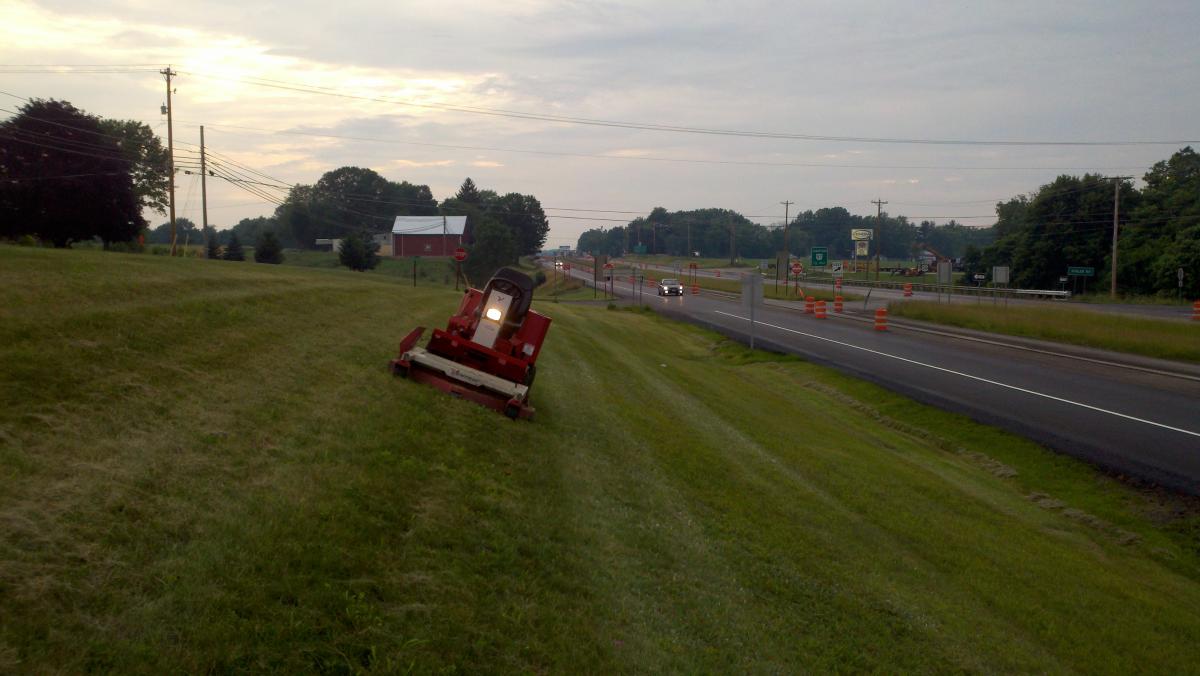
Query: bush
268, 249
539, 278
233, 251
132, 246
27, 240
359, 252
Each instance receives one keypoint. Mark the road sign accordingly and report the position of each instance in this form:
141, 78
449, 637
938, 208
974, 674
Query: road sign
567, 267
460, 254
797, 268
1000, 274
608, 266
860, 247
860, 235
820, 256
1081, 271
1179, 275
943, 271
837, 267
979, 276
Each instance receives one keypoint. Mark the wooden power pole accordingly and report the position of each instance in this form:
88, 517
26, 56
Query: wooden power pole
1112, 292
168, 73
203, 186
878, 233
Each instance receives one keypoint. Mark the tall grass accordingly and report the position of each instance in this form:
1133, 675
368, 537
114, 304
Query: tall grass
1122, 333
207, 468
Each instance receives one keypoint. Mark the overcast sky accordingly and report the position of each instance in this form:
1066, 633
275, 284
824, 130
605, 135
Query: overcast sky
1030, 71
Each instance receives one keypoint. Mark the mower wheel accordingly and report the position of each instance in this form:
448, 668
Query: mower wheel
512, 411
399, 370
529, 376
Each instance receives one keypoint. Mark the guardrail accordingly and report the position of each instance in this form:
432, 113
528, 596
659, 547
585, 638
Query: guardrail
944, 288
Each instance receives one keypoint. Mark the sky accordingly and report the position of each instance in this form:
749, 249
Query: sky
412, 90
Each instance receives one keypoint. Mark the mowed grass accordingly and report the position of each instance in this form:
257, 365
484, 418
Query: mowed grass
207, 467
1136, 335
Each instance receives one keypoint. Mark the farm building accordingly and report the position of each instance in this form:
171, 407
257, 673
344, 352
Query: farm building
428, 235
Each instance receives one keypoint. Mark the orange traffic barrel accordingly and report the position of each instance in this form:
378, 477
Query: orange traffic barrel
820, 312
881, 319
809, 304
695, 289
837, 303
1196, 311
908, 289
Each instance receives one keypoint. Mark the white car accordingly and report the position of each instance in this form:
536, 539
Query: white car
670, 287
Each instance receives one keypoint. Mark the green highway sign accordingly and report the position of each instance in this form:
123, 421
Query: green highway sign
820, 256
1081, 271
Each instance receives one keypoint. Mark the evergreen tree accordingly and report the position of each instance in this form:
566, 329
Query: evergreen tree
233, 252
213, 248
267, 249
469, 193
359, 252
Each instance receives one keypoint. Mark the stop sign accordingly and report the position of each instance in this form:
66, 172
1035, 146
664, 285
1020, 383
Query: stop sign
796, 268
608, 266
460, 254
567, 266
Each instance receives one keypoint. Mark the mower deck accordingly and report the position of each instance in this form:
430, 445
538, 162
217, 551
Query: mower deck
447, 375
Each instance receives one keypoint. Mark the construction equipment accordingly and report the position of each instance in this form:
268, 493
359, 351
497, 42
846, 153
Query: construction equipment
488, 350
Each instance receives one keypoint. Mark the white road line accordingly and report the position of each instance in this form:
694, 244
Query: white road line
968, 375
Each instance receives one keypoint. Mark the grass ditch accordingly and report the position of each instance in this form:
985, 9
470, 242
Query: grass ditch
206, 467
1164, 339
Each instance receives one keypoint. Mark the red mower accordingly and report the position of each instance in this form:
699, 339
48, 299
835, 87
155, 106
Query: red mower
488, 350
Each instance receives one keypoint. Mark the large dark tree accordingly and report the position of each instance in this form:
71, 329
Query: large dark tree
493, 248
524, 218
359, 251
149, 162
347, 200
65, 179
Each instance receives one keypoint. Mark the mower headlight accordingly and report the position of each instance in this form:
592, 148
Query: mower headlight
493, 314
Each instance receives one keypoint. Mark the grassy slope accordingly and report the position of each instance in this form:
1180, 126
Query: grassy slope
206, 467
1137, 335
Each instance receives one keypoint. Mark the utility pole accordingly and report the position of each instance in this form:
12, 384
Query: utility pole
787, 255
653, 238
168, 73
1112, 293
689, 229
203, 186
878, 233
732, 242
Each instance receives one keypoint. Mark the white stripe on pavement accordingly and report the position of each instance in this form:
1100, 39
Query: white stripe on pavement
968, 375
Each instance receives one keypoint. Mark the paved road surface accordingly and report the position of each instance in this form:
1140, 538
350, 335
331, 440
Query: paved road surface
881, 297
1128, 421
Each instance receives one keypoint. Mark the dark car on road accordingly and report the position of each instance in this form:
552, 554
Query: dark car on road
670, 287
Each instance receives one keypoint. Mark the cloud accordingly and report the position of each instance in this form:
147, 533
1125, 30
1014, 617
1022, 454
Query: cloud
413, 163
486, 164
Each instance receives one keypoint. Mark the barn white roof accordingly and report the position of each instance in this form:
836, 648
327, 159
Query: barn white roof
429, 225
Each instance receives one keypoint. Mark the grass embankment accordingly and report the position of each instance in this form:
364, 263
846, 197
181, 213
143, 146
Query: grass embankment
1122, 333
206, 467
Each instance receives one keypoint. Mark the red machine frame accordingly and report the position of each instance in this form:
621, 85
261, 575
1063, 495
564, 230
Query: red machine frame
498, 377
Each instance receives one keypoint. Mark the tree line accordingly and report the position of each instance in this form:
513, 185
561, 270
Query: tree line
1069, 223
709, 233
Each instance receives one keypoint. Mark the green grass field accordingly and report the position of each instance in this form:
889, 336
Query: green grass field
1165, 339
207, 468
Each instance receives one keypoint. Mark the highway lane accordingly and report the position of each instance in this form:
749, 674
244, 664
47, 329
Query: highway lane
1127, 421
880, 297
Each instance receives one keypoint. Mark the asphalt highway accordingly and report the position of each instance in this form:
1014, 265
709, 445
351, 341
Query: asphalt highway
880, 297
1127, 421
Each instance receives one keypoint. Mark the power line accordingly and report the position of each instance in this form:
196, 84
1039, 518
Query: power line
565, 119
647, 158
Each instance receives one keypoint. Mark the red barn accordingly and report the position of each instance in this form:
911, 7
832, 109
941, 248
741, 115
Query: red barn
427, 235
